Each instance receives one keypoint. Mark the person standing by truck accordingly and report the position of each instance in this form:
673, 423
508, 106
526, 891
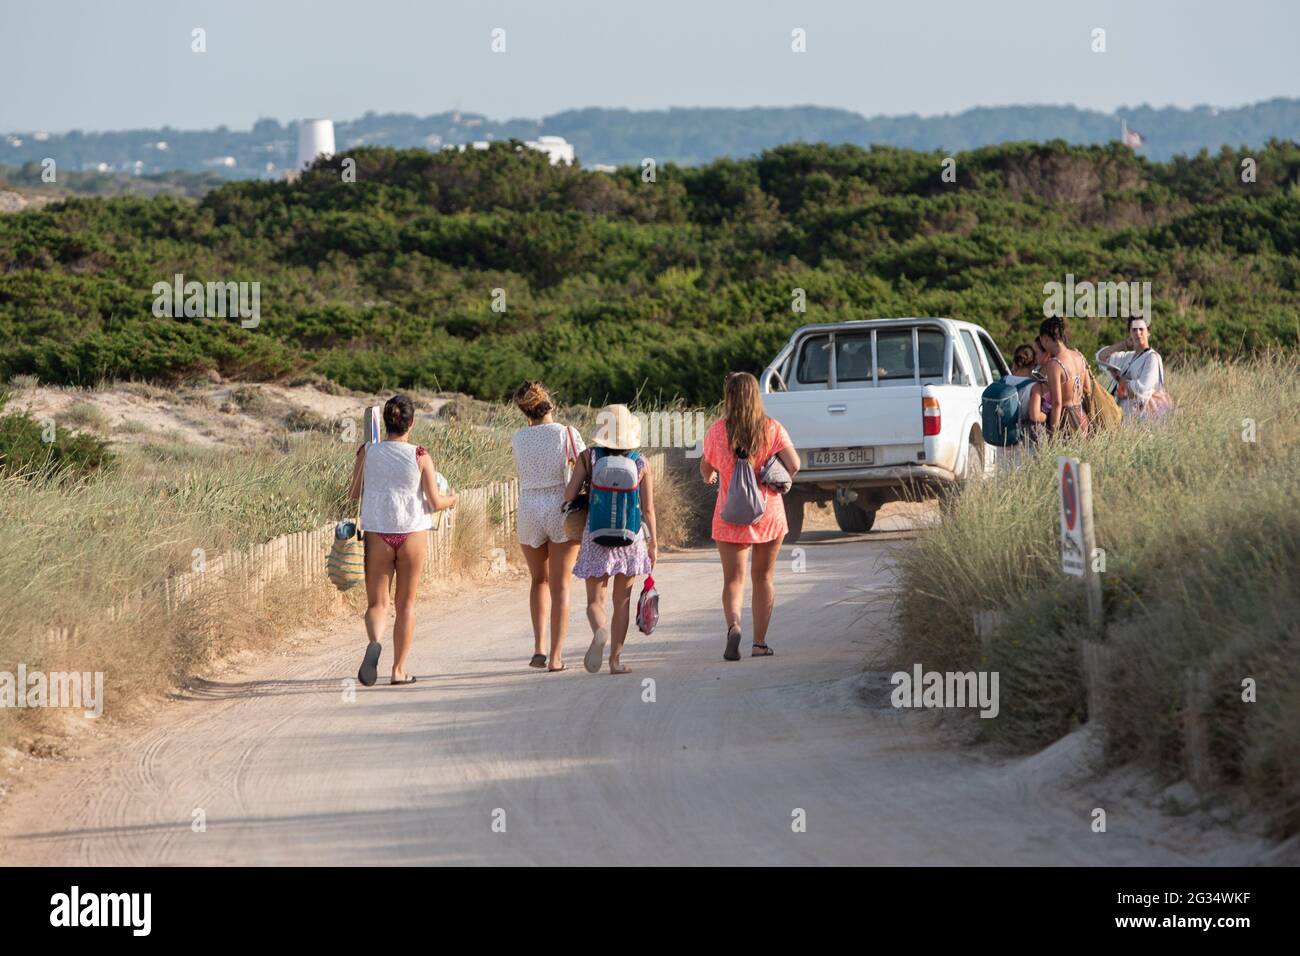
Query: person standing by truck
746, 438
1066, 372
1140, 372
1023, 362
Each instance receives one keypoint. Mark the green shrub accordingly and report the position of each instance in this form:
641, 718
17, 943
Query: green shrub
612, 285
25, 451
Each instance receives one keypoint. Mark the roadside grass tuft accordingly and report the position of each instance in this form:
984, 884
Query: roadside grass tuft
1202, 544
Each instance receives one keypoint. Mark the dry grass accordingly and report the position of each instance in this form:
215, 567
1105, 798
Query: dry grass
1202, 542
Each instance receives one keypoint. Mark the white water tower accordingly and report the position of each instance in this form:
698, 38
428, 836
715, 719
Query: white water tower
315, 139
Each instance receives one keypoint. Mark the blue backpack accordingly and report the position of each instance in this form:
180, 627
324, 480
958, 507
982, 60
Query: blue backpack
614, 510
1000, 414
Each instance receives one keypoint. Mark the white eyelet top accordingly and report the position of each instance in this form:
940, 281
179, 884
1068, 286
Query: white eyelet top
540, 452
392, 501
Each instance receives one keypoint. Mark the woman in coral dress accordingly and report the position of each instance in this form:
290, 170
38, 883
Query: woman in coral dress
745, 437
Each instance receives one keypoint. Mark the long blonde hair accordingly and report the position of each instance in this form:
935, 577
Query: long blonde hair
743, 412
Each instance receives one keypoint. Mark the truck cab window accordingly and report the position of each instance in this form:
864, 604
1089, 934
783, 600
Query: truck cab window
853, 358
973, 356
930, 344
814, 366
997, 366
896, 363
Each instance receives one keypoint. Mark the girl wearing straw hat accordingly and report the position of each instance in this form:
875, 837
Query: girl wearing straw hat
619, 539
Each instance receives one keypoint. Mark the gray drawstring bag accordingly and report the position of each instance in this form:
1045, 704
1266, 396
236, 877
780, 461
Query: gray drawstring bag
776, 476
745, 503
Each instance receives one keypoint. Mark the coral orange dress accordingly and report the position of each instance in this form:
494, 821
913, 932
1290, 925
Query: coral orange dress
716, 452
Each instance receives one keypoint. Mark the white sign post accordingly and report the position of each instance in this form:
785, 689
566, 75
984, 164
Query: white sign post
1078, 539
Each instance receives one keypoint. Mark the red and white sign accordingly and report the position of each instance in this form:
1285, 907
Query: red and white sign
1072, 554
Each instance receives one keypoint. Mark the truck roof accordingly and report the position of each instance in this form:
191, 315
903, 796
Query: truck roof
882, 323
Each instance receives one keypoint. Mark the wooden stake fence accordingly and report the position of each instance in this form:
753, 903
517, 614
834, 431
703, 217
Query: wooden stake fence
300, 557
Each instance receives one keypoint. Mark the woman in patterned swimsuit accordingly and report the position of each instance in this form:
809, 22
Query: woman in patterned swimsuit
398, 488
1066, 371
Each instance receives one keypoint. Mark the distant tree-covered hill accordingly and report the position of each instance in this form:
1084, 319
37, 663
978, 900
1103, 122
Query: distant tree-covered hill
682, 136
472, 271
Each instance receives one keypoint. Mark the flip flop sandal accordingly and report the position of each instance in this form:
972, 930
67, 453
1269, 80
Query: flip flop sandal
556, 670
762, 650
732, 653
591, 660
539, 660
621, 669
410, 679
369, 671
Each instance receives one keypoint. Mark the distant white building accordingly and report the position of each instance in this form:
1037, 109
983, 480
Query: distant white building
315, 139
557, 148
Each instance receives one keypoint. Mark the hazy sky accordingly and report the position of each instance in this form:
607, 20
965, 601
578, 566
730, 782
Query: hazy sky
68, 64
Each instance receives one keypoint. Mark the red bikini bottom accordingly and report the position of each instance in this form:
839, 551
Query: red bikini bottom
395, 541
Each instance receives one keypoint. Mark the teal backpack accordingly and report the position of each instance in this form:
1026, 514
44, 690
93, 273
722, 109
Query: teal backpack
614, 510
1000, 414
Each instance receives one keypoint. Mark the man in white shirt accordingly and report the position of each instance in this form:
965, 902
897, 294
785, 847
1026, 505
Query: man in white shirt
1139, 370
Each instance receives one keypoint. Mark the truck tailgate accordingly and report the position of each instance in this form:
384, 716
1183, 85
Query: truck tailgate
850, 417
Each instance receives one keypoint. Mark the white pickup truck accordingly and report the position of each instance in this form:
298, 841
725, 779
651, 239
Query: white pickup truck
881, 409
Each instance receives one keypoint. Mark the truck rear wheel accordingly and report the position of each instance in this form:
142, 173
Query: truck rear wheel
853, 519
974, 470
793, 517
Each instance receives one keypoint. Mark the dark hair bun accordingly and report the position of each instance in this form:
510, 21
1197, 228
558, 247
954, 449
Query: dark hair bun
1055, 329
399, 415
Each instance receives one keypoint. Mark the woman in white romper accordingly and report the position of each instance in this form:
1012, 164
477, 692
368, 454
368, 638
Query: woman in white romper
544, 451
398, 488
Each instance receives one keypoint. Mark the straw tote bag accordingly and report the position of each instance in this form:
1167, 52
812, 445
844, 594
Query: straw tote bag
346, 564
1099, 405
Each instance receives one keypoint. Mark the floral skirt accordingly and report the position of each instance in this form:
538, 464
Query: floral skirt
597, 561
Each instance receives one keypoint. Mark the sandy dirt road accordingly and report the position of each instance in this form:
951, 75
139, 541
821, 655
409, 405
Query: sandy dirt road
289, 772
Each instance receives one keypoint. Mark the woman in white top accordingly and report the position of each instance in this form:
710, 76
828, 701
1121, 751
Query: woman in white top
1139, 372
544, 451
398, 488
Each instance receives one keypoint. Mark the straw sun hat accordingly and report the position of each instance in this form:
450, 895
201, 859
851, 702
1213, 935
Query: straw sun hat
617, 429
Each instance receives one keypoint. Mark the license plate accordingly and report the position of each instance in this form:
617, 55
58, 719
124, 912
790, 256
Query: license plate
839, 457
